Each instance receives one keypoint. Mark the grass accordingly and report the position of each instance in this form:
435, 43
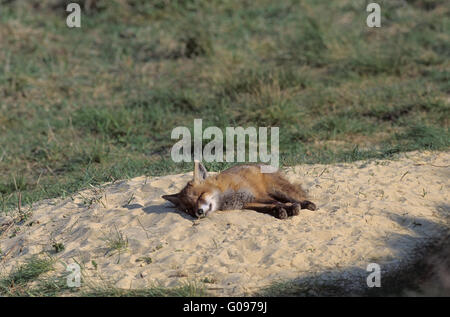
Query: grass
116, 242
17, 283
58, 247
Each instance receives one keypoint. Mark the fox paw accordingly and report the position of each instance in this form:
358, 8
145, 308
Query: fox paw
306, 204
295, 209
280, 213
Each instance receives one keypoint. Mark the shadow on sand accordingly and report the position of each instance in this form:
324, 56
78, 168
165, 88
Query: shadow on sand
425, 271
165, 208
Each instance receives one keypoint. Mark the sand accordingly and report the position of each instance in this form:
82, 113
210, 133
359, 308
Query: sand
369, 211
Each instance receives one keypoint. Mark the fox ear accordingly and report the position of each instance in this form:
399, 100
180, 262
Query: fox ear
200, 172
174, 199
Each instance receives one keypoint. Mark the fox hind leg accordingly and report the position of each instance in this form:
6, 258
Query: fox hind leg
284, 198
283, 191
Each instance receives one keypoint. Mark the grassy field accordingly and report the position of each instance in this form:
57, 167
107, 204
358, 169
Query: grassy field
98, 103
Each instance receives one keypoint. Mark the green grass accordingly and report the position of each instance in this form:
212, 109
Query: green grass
81, 107
115, 242
17, 283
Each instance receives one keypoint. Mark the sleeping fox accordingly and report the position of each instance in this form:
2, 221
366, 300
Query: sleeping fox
240, 187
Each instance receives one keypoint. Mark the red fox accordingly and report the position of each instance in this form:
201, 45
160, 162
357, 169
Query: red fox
240, 187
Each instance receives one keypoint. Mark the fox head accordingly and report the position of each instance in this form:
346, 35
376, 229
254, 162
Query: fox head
199, 197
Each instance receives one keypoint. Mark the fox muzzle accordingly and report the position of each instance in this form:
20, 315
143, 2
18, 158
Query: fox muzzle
200, 213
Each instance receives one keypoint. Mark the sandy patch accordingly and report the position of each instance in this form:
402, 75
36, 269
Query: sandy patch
372, 211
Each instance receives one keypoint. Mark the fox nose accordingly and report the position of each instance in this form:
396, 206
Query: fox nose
200, 212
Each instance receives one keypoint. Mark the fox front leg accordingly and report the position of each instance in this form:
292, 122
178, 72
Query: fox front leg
275, 209
281, 210
293, 209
